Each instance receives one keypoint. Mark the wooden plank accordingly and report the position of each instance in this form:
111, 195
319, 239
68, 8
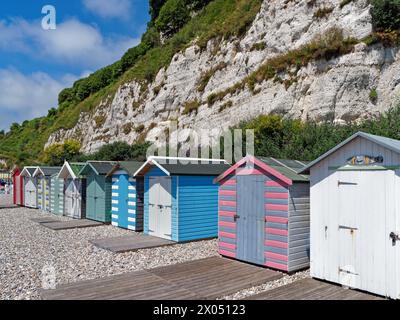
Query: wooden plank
208, 278
131, 243
72, 224
311, 289
44, 220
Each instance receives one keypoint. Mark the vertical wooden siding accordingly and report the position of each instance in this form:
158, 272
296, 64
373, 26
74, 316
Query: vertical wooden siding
198, 208
299, 226
276, 223
226, 222
56, 195
133, 213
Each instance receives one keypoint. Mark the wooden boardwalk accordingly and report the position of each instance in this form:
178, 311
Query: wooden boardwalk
131, 243
44, 220
311, 289
208, 278
71, 224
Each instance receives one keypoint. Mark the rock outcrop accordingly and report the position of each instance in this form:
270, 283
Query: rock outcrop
339, 89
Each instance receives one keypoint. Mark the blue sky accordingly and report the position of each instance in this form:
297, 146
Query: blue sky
35, 64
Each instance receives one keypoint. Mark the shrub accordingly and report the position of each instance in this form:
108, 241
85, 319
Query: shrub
258, 46
127, 128
191, 106
226, 105
385, 15
373, 95
99, 120
173, 15
139, 128
344, 3
207, 75
322, 12
57, 154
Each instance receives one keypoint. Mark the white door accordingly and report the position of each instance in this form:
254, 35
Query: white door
77, 199
153, 205
69, 198
361, 232
30, 193
165, 205
160, 207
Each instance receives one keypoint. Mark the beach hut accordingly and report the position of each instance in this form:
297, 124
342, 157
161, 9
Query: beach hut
98, 190
43, 176
264, 213
30, 187
56, 195
180, 197
74, 190
355, 214
127, 196
18, 186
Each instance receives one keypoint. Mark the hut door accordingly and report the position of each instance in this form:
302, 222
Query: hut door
160, 207
251, 218
362, 238
77, 199
123, 182
30, 193
165, 206
69, 198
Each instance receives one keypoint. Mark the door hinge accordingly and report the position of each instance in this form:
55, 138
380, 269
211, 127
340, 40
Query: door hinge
347, 271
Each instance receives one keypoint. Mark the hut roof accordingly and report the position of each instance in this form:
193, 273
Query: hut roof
283, 169
185, 166
71, 169
129, 166
46, 171
28, 171
388, 143
99, 167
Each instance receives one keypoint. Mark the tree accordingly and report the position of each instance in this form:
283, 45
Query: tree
385, 15
57, 154
155, 7
173, 16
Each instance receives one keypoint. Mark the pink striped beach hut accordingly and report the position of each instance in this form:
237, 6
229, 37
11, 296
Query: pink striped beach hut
264, 213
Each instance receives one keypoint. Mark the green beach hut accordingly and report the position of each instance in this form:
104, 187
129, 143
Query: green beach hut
74, 190
98, 190
56, 195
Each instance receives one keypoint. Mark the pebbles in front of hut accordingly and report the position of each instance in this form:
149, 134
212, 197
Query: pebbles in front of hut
33, 257
286, 279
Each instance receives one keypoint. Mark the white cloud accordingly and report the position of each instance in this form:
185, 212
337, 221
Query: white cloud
109, 8
73, 42
25, 96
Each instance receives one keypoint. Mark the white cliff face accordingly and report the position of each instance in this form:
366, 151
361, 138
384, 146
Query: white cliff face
338, 89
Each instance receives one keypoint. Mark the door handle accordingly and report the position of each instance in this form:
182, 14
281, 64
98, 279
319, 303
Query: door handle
235, 217
395, 237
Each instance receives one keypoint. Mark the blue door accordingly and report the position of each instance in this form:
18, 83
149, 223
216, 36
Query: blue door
123, 201
250, 218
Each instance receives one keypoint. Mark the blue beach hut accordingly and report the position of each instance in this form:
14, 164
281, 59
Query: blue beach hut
127, 196
180, 197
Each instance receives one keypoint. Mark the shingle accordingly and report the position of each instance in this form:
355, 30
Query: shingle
286, 167
102, 167
76, 167
211, 169
130, 166
48, 171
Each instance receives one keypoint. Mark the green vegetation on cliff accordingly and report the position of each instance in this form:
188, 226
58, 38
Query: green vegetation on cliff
214, 19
